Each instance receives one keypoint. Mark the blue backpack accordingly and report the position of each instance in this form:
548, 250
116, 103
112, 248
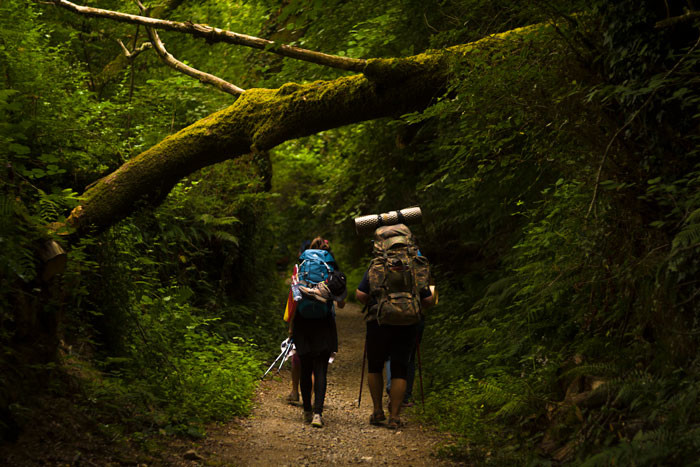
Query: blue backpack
315, 266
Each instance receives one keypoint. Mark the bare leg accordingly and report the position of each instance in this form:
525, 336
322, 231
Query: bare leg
375, 381
398, 389
296, 375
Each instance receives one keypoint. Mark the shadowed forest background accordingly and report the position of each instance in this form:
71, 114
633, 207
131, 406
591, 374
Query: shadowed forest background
558, 175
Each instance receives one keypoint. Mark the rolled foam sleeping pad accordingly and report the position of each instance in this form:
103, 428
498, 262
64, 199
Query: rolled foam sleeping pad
368, 224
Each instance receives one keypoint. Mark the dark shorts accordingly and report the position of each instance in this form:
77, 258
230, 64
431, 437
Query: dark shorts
390, 342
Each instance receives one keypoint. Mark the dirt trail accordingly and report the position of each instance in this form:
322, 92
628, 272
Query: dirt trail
275, 434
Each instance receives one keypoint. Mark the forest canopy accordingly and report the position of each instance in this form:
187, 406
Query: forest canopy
553, 148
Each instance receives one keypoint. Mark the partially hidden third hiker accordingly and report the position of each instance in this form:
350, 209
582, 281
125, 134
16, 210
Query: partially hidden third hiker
313, 327
395, 290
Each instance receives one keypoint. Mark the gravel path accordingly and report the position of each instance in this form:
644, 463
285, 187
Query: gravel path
275, 434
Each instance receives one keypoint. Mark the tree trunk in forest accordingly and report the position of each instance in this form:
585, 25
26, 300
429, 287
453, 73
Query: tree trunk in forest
260, 119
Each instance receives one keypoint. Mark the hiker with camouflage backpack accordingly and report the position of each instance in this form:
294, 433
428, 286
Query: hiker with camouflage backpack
313, 327
395, 291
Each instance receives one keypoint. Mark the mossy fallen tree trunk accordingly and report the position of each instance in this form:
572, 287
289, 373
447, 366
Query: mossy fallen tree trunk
263, 118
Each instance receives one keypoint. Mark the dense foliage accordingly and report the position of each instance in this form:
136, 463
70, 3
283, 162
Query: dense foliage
559, 184
172, 306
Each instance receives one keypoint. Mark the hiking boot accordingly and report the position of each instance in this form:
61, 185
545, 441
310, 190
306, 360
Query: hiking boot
293, 398
317, 421
394, 424
377, 418
308, 416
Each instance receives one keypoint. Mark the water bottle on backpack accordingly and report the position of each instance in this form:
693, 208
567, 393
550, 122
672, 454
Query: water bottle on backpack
296, 293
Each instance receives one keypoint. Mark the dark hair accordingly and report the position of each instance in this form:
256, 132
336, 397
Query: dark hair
319, 243
304, 246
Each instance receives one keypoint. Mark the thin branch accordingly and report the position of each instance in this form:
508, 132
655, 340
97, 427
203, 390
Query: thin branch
428, 24
205, 78
171, 61
684, 18
211, 34
134, 53
629, 122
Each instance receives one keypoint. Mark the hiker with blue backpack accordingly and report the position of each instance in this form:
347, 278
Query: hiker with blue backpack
293, 397
320, 284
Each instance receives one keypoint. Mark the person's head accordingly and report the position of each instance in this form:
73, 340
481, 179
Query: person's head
305, 245
320, 243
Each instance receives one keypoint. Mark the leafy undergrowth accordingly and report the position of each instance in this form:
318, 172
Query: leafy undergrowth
69, 425
87, 417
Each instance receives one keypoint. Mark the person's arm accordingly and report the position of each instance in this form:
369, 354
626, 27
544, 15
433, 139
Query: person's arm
362, 297
428, 298
362, 293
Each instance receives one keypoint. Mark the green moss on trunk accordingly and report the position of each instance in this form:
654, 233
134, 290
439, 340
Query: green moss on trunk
262, 118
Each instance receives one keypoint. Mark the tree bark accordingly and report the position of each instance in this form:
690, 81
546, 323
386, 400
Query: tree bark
260, 119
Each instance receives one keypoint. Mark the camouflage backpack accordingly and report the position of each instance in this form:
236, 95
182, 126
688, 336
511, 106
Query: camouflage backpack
397, 274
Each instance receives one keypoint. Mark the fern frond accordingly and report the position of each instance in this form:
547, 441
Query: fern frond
693, 217
515, 407
49, 210
208, 219
501, 285
689, 236
475, 334
6, 206
226, 237
594, 369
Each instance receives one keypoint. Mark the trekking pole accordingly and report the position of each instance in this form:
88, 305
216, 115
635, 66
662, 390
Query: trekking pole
364, 358
362, 377
420, 377
273, 364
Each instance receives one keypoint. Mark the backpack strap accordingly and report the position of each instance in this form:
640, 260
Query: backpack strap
416, 292
381, 303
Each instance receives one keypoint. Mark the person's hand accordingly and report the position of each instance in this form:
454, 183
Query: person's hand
341, 304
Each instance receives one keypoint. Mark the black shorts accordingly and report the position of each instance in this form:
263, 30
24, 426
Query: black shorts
390, 342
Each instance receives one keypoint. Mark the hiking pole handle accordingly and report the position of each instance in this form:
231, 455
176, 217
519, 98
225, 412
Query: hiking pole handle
285, 353
276, 360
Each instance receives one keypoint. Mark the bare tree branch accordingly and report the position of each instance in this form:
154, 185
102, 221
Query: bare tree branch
171, 61
684, 18
220, 35
114, 67
203, 77
134, 53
